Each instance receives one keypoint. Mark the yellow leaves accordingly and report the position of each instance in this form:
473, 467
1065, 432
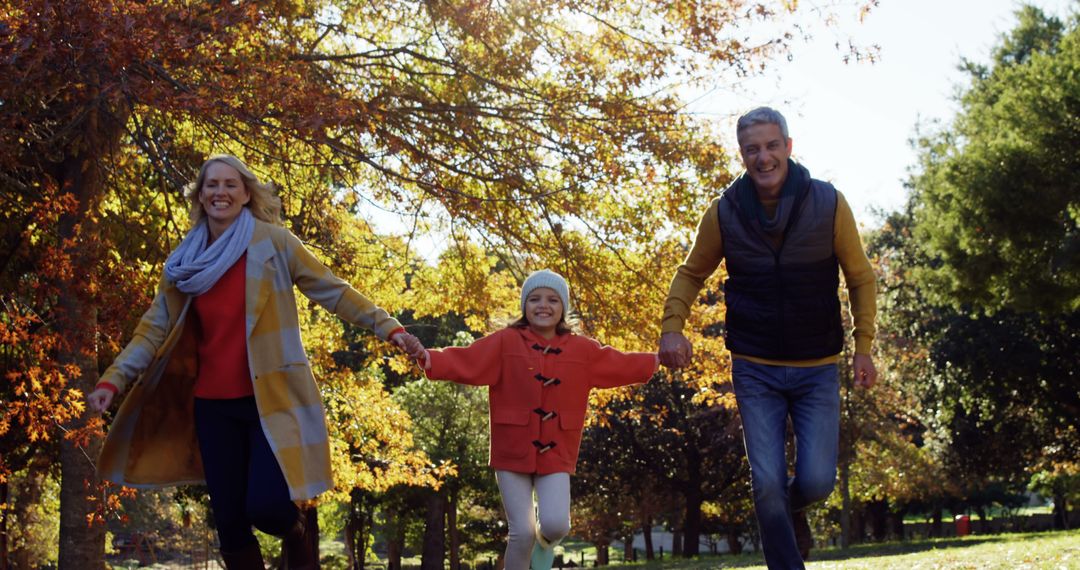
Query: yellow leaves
401, 364
465, 282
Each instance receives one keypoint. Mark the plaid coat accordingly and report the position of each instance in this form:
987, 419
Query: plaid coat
152, 442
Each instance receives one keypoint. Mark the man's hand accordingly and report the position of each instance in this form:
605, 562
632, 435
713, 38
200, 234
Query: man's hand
100, 399
865, 373
675, 350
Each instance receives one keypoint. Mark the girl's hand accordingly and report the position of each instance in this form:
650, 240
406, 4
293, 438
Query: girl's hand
409, 344
100, 399
425, 360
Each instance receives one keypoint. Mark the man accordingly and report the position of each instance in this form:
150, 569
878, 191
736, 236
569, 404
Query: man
785, 237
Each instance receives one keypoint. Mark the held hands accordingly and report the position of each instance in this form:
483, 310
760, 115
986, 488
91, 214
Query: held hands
100, 399
865, 372
413, 347
675, 350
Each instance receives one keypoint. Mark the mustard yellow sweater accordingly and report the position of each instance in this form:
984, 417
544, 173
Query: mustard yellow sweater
708, 252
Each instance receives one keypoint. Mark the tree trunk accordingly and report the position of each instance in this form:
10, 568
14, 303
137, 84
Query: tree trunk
3, 526
676, 543
395, 544
935, 525
434, 551
692, 521
628, 546
352, 560
845, 505
734, 541
982, 520
602, 556
28, 490
858, 525
82, 545
897, 523
646, 533
394, 529
356, 531
878, 511
1061, 511
453, 531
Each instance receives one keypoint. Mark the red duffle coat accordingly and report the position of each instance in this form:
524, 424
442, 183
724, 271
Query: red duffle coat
538, 391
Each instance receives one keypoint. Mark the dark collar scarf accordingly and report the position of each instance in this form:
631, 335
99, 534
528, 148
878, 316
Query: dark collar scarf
798, 179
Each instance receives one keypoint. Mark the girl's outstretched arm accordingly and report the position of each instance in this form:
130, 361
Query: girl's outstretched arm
609, 368
479, 364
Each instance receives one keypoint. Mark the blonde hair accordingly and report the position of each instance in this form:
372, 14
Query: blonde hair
264, 204
565, 325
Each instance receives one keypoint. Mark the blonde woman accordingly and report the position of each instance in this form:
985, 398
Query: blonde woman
223, 390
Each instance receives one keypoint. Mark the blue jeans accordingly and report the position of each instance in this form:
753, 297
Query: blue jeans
767, 395
245, 482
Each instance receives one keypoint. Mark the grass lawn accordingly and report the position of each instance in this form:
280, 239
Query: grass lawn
1046, 550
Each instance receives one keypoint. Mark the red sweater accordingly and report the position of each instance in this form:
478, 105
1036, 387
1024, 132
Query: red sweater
222, 336
538, 391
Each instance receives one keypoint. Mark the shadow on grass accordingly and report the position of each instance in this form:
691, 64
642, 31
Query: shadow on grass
913, 547
857, 551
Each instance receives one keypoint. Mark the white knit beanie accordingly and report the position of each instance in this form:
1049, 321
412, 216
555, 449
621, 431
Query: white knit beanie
551, 280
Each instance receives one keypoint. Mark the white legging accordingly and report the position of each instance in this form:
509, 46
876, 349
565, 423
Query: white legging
553, 502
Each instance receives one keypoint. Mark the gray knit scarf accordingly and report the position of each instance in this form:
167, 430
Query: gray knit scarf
195, 268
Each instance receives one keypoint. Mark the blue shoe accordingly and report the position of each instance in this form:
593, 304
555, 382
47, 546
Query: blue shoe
542, 557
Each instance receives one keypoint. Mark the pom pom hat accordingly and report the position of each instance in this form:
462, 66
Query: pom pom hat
551, 280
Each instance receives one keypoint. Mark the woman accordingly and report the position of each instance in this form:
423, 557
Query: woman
224, 392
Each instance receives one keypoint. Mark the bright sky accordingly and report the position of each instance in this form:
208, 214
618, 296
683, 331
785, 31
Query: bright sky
850, 124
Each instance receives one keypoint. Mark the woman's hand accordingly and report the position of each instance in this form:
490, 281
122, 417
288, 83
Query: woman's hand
100, 399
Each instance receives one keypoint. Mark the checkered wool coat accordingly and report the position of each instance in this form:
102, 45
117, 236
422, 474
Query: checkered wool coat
152, 442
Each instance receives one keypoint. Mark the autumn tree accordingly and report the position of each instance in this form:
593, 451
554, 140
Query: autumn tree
518, 122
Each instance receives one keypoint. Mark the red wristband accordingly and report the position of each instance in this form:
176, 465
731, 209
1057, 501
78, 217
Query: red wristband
107, 386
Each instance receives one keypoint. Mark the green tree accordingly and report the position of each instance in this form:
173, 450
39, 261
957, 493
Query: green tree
979, 382
988, 254
996, 192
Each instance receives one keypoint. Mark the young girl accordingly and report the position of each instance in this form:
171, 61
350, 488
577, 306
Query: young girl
539, 374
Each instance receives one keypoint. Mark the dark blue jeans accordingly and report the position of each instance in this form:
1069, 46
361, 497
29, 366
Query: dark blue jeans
244, 479
767, 396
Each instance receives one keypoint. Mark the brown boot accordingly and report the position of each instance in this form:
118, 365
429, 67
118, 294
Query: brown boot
248, 558
298, 548
804, 539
